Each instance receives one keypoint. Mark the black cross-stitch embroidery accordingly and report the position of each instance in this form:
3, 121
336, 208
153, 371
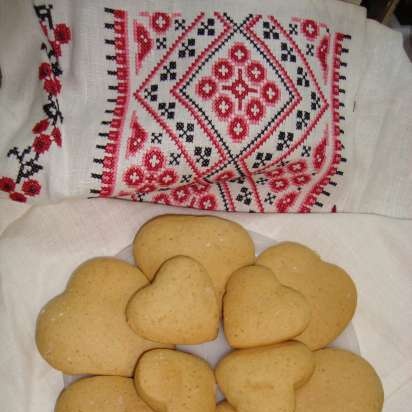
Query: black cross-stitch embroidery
207, 28
285, 139
202, 155
167, 109
269, 31
244, 196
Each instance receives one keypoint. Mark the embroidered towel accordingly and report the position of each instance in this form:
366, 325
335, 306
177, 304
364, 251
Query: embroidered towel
222, 105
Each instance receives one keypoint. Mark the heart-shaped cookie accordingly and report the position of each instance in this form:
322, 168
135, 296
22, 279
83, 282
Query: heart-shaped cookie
224, 407
84, 330
101, 394
174, 381
264, 379
342, 382
258, 310
329, 290
220, 245
179, 307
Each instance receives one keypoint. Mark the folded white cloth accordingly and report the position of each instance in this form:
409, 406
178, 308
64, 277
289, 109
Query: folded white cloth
278, 106
40, 250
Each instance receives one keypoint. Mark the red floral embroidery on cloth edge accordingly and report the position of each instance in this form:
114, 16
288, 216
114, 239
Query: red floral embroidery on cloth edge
47, 130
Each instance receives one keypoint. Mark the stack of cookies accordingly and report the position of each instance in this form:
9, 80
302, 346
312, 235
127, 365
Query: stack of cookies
121, 323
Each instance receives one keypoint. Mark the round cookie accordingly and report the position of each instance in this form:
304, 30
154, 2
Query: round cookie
101, 394
220, 245
342, 382
224, 407
265, 378
84, 330
328, 289
258, 310
174, 381
179, 307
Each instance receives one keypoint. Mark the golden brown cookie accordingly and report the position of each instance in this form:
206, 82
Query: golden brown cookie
84, 330
264, 379
342, 382
179, 307
174, 381
220, 245
101, 394
329, 290
224, 407
258, 310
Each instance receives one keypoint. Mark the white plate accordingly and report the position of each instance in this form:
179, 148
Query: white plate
213, 351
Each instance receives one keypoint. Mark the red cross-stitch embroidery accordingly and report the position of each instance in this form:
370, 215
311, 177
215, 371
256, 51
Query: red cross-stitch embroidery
236, 115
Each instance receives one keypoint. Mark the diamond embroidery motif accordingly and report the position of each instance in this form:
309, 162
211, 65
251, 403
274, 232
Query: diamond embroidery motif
239, 103
229, 92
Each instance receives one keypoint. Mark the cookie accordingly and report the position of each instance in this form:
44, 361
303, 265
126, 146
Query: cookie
84, 330
179, 307
342, 382
329, 290
224, 407
258, 310
175, 381
265, 378
220, 245
101, 394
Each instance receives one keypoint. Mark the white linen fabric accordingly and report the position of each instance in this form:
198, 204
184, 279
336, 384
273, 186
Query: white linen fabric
40, 250
297, 106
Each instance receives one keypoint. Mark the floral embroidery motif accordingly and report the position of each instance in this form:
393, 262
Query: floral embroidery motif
240, 91
46, 132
